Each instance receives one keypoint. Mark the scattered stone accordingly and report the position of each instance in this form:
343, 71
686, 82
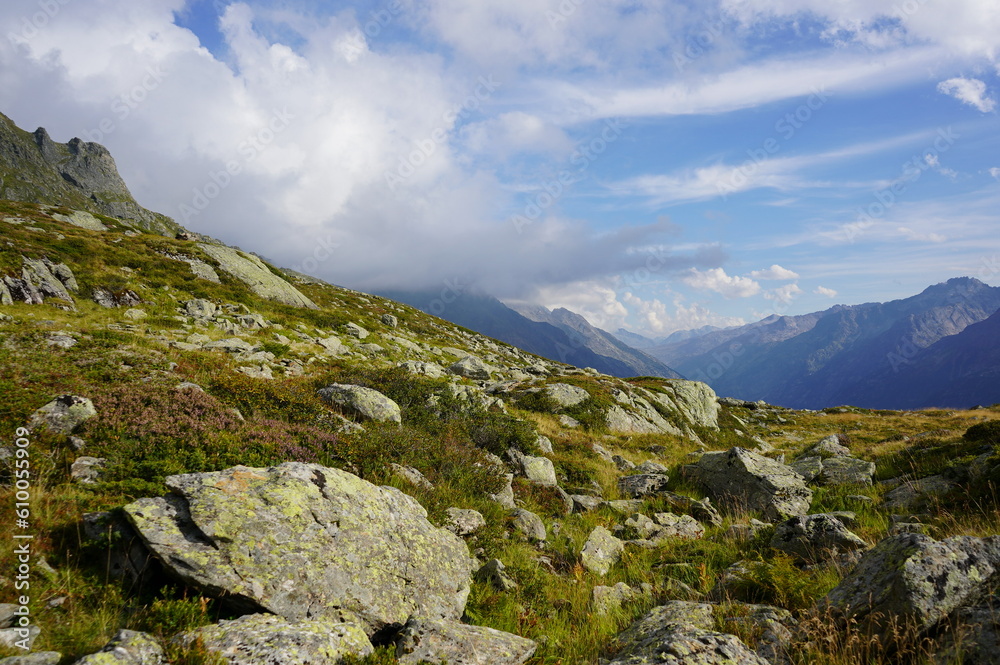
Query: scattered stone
815, 538
472, 367
539, 470
623, 506
263, 639
747, 531
232, 345
256, 371
741, 479
917, 577
412, 476
846, 471
390, 321
87, 470
37, 658
61, 340
602, 452
918, 494
830, 447
505, 497
544, 444
354, 550
63, 414
569, 421
529, 524
366, 402
82, 219
255, 274
135, 314
649, 466
200, 308
332, 345
424, 641
566, 395
700, 509
187, 385
643, 485
355, 331
128, 648
607, 599
493, 573
464, 522
601, 551
585, 503
908, 527
622, 464
432, 370
808, 467
19, 637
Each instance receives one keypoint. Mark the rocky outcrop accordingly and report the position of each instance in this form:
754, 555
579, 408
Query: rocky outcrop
256, 275
643, 485
304, 541
368, 403
263, 639
741, 479
423, 641
128, 648
63, 414
813, 538
914, 578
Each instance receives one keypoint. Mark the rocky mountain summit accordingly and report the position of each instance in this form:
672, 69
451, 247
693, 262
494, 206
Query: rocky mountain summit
224, 462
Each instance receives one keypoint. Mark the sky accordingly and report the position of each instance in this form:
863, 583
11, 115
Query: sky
653, 165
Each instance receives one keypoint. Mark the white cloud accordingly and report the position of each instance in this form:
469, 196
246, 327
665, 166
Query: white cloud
823, 291
784, 294
775, 272
910, 234
656, 319
716, 279
968, 91
516, 132
995, 172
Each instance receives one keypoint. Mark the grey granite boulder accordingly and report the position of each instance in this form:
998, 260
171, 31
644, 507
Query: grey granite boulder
566, 395
368, 403
845, 471
830, 446
741, 479
36, 658
454, 643
264, 639
128, 648
464, 522
918, 494
601, 551
304, 541
914, 578
253, 272
814, 538
643, 485
472, 367
63, 414
539, 470
972, 637
529, 525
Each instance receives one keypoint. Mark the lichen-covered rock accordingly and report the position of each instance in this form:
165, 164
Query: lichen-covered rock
814, 538
808, 467
918, 494
200, 308
679, 633
830, 446
606, 599
696, 401
914, 578
464, 522
649, 466
264, 639
63, 414
255, 274
128, 648
472, 367
845, 471
493, 572
37, 273
566, 395
412, 476
643, 485
368, 403
601, 551
741, 479
505, 497
539, 470
454, 643
304, 541
973, 636
36, 658
87, 470
529, 524
585, 503
332, 345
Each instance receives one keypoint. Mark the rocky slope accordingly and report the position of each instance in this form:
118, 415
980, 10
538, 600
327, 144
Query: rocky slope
219, 462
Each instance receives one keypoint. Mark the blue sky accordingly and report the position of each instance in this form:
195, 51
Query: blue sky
656, 165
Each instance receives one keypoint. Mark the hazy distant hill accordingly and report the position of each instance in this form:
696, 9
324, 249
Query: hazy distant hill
573, 341
847, 355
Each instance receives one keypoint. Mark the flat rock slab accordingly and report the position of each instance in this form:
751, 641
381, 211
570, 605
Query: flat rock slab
458, 644
255, 274
264, 639
368, 403
304, 541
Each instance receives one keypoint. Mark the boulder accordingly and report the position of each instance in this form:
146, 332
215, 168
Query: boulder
529, 524
649, 466
87, 470
830, 447
700, 509
544, 444
914, 578
973, 636
432, 370
696, 401
200, 308
493, 573
264, 639
607, 599
37, 273
424, 641
741, 479
808, 467
412, 476
63, 414
680, 632
846, 471
505, 497
368, 403
464, 522
304, 541
255, 274
643, 485
233, 345
918, 494
539, 470
601, 551
356, 331
332, 345
814, 538
389, 321
566, 395
472, 367
36, 658
585, 503
128, 648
